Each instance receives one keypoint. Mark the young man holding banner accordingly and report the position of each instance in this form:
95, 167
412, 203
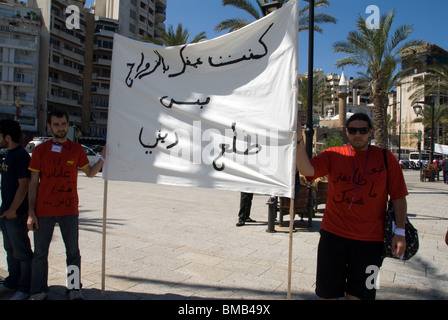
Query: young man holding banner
352, 238
53, 198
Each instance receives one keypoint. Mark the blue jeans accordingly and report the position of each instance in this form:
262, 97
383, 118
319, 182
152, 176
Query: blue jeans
18, 252
42, 237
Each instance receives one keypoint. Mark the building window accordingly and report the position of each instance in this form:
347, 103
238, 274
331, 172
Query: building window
132, 28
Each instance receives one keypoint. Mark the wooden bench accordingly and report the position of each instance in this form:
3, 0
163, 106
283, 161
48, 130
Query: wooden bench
430, 175
303, 205
321, 194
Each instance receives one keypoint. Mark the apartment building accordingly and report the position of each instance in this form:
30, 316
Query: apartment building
401, 106
62, 60
19, 63
137, 18
75, 61
104, 30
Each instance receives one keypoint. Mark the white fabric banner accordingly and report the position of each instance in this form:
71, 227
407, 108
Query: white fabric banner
217, 114
440, 148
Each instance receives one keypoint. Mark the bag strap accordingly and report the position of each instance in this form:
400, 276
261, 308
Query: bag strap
385, 157
387, 170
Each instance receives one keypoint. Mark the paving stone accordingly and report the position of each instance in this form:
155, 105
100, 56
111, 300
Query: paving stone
166, 242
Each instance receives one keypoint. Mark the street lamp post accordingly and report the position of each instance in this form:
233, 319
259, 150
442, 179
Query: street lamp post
309, 131
418, 109
267, 8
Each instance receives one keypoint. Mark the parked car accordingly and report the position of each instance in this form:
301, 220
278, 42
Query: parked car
95, 147
92, 155
34, 143
405, 164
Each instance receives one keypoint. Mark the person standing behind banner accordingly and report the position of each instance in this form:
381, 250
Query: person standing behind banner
245, 205
53, 198
444, 167
352, 232
13, 211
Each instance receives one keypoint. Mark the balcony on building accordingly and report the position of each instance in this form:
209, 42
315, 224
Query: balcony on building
160, 11
18, 44
60, 100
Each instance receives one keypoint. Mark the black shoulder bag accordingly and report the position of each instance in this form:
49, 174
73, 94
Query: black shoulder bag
411, 234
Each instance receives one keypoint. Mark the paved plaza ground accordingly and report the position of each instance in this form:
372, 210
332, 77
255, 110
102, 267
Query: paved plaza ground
166, 242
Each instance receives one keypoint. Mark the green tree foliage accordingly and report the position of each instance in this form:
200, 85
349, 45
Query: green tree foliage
256, 12
378, 53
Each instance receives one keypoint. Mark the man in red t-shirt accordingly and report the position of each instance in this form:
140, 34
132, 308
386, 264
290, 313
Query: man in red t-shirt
53, 198
353, 223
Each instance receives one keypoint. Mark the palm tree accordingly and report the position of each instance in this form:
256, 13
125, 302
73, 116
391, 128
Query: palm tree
320, 91
433, 84
379, 53
256, 12
319, 18
173, 37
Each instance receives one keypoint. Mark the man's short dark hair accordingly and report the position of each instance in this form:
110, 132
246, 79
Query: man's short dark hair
11, 128
57, 114
359, 116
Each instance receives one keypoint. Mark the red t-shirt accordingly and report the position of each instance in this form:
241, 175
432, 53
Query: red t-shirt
357, 195
57, 164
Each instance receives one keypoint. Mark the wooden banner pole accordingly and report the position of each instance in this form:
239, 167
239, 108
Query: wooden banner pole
291, 230
103, 264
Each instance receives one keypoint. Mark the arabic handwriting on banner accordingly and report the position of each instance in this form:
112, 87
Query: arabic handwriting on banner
148, 69
192, 103
140, 73
224, 148
160, 138
171, 109
186, 62
251, 56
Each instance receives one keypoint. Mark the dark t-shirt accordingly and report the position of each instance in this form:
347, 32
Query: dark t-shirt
444, 165
15, 167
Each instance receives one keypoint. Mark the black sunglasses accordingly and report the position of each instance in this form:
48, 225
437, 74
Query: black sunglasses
353, 130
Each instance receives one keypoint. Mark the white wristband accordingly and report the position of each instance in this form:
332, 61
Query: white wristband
399, 231
102, 158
